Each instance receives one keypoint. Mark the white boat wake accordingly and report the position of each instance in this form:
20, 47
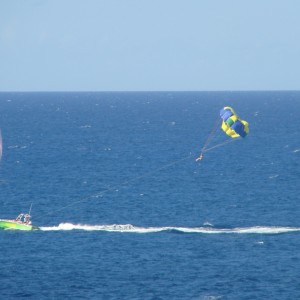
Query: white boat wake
206, 230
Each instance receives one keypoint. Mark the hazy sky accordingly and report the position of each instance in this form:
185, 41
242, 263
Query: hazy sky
149, 45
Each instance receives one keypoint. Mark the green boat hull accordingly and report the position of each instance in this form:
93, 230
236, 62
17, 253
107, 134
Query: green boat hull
9, 224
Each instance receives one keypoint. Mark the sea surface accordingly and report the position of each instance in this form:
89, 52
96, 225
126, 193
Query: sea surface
126, 212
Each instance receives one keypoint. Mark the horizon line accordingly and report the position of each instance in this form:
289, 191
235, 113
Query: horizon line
150, 91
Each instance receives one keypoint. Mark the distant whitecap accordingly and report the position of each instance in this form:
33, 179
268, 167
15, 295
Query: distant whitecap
207, 224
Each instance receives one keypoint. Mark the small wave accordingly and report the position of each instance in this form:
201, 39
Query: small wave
211, 297
260, 242
207, 224
296, 150
204, 230
17, 147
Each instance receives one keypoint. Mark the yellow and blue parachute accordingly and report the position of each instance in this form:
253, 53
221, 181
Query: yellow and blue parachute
232, 125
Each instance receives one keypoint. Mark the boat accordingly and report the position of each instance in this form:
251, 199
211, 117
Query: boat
22, 222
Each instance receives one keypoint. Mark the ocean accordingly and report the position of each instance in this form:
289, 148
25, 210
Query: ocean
126, 212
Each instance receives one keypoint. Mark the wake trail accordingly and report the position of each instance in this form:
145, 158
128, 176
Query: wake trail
128, 228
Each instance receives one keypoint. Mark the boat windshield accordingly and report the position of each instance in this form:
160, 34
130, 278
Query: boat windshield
23, 218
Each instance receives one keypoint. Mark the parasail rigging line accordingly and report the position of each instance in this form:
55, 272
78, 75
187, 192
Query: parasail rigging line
115, 187
211, 135
209, 139
219, 145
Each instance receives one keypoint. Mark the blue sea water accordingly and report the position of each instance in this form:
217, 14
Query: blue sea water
125, 211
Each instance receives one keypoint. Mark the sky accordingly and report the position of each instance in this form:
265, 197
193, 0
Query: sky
149, 45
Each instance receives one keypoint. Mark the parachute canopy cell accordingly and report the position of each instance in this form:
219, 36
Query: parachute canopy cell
232, 125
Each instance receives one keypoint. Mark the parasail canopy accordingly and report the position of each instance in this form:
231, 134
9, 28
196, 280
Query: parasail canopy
232, 125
